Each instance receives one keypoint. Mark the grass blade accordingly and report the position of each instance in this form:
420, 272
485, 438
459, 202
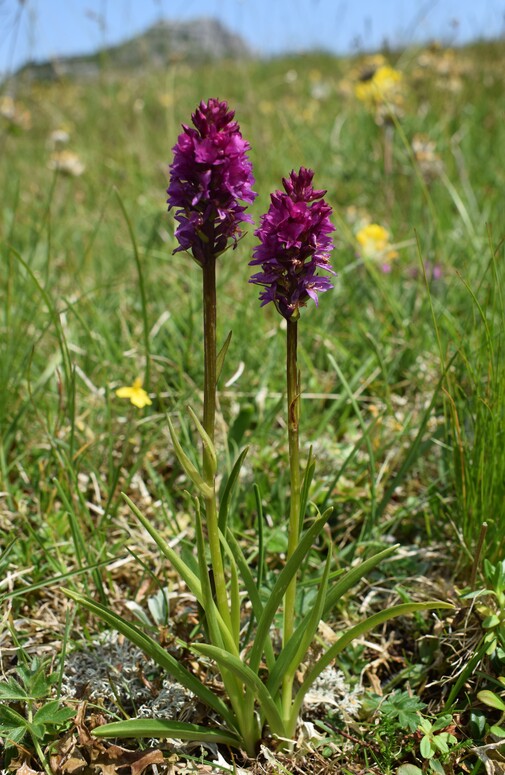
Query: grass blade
370, 521
142, 290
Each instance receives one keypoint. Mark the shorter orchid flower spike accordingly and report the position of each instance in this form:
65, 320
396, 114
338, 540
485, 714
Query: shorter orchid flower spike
294, 245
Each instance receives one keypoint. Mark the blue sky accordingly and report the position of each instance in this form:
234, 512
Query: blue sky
39, 29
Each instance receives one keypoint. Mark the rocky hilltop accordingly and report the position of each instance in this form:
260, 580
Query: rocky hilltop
163, 43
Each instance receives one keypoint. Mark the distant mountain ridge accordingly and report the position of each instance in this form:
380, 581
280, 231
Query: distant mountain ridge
160, 45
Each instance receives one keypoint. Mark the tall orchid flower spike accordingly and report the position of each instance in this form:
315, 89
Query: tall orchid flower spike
294, 244
209, 177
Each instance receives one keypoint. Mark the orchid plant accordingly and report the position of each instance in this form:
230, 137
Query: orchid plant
210, 179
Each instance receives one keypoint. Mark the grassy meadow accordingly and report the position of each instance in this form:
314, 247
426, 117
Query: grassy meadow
403, 392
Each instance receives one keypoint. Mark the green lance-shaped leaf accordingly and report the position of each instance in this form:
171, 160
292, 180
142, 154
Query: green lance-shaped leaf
208, 604
184, 571
234, 589
280, 586
348, 581
156, 653
161, 728
190, 578
252, 590
191, 471
252, 680
219, 632
221, 356
222, 636
206, 440
491, 699
356, 632
354, 575
305, 488
294, 651
228, 491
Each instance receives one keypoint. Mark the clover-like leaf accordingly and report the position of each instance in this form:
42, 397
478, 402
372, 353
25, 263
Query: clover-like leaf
426, 747
51, 713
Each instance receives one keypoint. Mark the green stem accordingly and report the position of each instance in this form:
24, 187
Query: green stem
293, 407
35, 740
209, 423
41, 756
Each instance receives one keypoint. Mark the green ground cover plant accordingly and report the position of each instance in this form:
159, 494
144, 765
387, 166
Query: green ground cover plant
401, 397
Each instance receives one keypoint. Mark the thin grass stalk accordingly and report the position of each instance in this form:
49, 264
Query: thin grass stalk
370, 522
142, 291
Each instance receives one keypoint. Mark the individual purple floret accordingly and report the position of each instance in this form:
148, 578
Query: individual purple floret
294, 244
210, 174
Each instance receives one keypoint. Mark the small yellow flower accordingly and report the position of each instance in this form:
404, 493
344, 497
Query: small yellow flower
374, 244
381, 91
136, 393
384, 85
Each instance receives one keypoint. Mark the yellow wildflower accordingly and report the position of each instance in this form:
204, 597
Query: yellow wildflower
373, 240
381, 85
136, 393
381, 90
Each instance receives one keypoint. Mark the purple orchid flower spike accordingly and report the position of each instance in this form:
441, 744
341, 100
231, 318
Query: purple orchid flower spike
294, 245
209, 176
